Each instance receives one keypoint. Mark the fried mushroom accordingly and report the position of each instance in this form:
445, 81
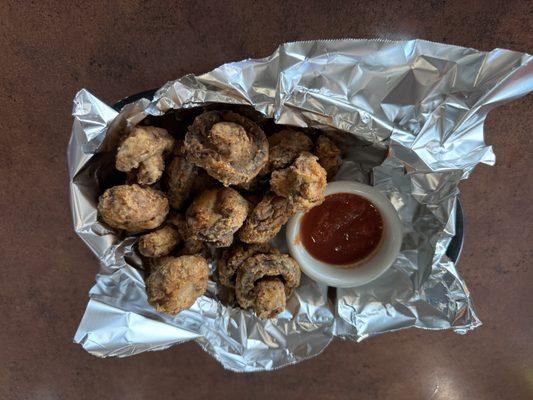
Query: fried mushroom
150, 170
159, 242
176, 282
328, 154
190, 245
180, 178
266, 219
233, 257
133, 208
216, 215
303, 183
230, 147
270, 298
285, 146
144, 149
265, 298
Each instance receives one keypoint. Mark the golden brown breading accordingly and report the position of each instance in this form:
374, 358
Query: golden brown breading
303, 183
233, 257
329, 155
266, 219
285, 146
216, 215
160, 242
176, 282
145, 144
150, 170
180, 177
261, 266
133, 208
190, 245
270, 298
230, 147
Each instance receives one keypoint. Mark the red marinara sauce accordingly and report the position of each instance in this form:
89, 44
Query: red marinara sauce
344, 229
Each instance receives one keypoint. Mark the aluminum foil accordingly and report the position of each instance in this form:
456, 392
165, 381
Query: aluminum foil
420, 104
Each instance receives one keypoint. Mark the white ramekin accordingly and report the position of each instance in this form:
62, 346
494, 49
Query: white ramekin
365, 271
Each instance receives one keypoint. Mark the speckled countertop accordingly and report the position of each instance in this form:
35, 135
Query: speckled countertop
116, 48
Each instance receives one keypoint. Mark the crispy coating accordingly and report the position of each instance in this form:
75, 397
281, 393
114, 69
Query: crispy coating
145, 144
176, 282
234, 256
160, 242
329, 155
285, 146
260, 266
181, 177
150, 170
303, 183
230, 147
133, 208
270, 298
190, 245
266, 219
216, 215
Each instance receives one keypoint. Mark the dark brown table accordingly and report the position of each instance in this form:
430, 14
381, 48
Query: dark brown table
116, 48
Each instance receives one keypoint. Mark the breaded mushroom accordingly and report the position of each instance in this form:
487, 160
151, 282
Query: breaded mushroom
266, 219
159, 242
176, 282
266, 299
216, 215
190, 245
285, 146
233, 257
133, 208
230, 147
270, 297
144, 148
180, 177
329, 155
303, 183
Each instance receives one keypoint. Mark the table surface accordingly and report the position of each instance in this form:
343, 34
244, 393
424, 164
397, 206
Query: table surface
117, 48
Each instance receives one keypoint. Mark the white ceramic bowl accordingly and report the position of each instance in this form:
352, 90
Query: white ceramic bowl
368, 269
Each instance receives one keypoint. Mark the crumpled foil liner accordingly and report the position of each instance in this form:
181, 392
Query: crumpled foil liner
422, 104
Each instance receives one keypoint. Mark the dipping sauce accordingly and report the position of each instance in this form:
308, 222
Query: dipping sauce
343, 230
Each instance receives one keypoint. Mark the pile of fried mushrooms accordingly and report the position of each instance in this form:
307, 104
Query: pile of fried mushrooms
218, 193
